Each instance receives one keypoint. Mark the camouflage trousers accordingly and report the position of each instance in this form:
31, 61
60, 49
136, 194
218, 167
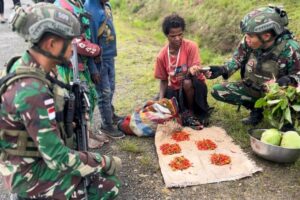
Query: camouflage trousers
236, 93
41, 182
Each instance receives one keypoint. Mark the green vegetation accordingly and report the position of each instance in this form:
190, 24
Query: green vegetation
214, 24
129, 146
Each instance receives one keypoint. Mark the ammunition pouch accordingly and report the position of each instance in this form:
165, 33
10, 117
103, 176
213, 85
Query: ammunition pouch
25, 146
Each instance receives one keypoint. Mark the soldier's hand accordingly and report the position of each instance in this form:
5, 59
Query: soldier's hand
96, 78
217, 71
112, 165
195, 70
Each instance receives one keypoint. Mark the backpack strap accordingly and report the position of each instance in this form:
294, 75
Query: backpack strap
23, 72
103, 25
10, 63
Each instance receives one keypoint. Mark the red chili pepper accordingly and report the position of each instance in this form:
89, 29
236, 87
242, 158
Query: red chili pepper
206, 144
180, 163
180, 136
169, 149
220, 159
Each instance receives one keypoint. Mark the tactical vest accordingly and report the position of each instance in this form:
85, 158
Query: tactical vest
25, 147
260, 69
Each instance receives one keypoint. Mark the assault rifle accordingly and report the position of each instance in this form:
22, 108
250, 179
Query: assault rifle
81, 110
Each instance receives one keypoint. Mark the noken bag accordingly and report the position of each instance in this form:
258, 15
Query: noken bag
144, 121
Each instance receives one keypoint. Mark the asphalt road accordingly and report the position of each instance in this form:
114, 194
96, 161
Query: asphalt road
10, 45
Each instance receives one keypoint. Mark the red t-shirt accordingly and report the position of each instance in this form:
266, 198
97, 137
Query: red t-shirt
187, 56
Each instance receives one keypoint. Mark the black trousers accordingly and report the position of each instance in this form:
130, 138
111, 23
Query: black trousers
1, 6
200, 106
17, 2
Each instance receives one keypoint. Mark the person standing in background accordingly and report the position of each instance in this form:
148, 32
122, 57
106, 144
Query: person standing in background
103, 29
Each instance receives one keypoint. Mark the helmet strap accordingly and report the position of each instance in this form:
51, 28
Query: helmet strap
264, 42
59, 58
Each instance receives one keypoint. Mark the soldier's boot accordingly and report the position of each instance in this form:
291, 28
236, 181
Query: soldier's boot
254, 118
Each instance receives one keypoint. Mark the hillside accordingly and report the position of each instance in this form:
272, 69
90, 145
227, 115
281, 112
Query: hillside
214, 24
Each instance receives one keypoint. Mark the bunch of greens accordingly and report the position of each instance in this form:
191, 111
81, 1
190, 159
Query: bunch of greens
281, 106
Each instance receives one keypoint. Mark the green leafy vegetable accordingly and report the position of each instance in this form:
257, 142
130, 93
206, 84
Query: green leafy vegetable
281, 106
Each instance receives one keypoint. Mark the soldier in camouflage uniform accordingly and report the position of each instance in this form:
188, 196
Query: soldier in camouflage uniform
34, 161
267, 52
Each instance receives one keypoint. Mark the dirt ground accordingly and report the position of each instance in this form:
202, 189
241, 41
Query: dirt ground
141, 176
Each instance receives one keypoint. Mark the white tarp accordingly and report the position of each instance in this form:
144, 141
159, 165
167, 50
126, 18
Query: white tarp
202, 171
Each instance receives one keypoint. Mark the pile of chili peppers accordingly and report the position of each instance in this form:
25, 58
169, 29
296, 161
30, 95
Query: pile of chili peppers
206, 144
220, 159
180, 163
169, 149
180, 136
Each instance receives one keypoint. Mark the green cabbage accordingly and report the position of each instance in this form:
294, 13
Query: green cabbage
271, 136
290, 139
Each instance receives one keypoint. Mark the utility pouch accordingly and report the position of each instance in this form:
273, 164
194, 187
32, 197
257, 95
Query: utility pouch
25, 147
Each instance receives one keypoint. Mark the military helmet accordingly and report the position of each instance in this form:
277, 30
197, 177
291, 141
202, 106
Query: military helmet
264, 19
43, 18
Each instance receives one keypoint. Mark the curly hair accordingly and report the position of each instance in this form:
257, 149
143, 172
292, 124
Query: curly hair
172, 21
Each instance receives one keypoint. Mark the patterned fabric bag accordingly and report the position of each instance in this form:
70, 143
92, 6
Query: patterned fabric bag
144, 121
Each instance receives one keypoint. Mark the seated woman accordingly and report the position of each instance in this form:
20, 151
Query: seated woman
179, 71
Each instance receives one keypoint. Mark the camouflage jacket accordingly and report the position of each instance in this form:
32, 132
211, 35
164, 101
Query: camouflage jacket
28, 105
288, 59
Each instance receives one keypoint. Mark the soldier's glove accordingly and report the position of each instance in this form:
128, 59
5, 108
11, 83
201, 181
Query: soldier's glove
217, 71
285, 81
112, 165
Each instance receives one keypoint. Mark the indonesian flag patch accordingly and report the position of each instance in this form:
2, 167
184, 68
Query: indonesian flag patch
50, 108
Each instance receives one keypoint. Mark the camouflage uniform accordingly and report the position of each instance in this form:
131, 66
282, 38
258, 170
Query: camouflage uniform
57, 174
43, 167
239, 93
259, 66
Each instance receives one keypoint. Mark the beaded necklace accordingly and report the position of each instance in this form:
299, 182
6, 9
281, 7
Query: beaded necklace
169, 59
